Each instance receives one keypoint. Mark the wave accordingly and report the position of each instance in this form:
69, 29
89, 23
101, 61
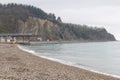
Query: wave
65, 62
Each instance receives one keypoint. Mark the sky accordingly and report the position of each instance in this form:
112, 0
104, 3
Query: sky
96, 13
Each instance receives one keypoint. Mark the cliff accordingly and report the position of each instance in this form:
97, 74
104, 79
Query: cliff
28, 19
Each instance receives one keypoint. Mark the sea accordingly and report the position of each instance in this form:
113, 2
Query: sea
100, 57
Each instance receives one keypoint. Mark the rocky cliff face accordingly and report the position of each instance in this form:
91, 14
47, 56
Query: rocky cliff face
61, 31
41, 27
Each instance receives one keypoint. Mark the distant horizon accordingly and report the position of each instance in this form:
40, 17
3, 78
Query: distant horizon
104, 13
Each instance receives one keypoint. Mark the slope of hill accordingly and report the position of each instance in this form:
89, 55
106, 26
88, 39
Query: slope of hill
20, 18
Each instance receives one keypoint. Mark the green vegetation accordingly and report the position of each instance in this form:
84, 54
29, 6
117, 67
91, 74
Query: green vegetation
18, 18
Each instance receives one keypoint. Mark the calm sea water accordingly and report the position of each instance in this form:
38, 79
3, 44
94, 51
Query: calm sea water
99, 56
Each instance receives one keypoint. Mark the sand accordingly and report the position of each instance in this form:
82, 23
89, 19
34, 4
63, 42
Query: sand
16, 64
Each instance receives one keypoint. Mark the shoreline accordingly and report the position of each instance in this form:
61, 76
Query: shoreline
73, 41
16, 64
68, 64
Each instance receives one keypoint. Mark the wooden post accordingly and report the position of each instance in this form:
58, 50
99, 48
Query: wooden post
28, 40
5, 39
23, 39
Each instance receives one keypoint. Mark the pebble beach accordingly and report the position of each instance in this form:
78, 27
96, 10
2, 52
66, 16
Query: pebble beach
16, 64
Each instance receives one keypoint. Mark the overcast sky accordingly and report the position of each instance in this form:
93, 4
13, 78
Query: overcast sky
101, 13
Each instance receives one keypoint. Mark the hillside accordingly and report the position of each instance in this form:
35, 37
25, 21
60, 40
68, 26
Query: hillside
20, 18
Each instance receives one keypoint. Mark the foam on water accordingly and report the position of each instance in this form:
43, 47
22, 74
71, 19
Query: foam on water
45, 57
64, 62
